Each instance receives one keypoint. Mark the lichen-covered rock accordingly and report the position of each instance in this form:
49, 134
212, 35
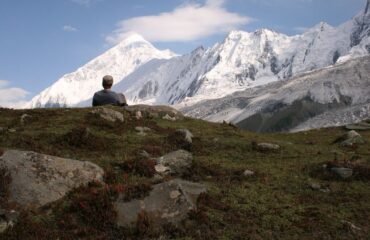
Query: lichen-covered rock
351, 139
187, 135
142, 131
25, 118
38, 179
268, 147
167, 202
176, 163
109, 114
248, 173
169, 118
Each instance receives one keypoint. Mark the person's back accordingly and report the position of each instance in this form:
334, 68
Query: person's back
107, 96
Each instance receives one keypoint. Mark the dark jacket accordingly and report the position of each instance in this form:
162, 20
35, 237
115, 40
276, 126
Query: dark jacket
108, 97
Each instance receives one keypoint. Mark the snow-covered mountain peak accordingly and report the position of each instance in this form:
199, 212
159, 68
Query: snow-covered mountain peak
133, 38
119, 61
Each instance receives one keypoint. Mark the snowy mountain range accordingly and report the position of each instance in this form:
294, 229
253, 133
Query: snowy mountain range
244, 60
330, 96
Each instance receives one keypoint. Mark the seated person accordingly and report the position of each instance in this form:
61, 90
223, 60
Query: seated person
107, 96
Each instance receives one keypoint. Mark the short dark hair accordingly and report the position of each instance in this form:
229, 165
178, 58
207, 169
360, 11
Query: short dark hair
107, 81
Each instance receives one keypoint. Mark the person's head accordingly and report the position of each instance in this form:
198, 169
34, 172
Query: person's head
107, 82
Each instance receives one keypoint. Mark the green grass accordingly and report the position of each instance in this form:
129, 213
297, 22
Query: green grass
276, 203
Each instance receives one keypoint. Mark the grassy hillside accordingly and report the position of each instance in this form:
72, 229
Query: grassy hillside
278, 202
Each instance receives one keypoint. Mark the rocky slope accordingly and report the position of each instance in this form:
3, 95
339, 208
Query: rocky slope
285, 105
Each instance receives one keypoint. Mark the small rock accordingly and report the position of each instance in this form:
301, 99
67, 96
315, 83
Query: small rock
144, 154
167, 202
142, 131
351, 226
109, 114
352, 134
268, 147
248, 173
315, 186
12, 130
159, 168
188, 136
344, 173
24, 118
319, 187
351, 139
178, 162
168, 117
138, 115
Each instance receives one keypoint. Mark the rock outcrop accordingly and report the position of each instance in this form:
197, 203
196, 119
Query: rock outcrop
167, 202
38, 179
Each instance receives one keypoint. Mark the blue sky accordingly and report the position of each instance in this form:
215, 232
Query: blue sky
41, 40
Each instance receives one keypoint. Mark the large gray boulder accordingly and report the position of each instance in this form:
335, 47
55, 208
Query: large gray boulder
167, 202
176, 163
38, 179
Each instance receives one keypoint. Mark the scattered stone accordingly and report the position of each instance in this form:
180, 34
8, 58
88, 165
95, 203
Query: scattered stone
167, 202
169, 118
12, 130
154, 111
248, 173
319, 187
25, 118
178, 163
352, 134
343, 173
351, 139
268, 147
138, 115
144, 154
351, 226
188, 136
142, 131
109, 114
2, 130
315, 186
39, 179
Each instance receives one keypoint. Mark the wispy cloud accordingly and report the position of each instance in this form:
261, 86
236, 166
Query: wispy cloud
10, 96
187, 22
69, 28
85, 2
